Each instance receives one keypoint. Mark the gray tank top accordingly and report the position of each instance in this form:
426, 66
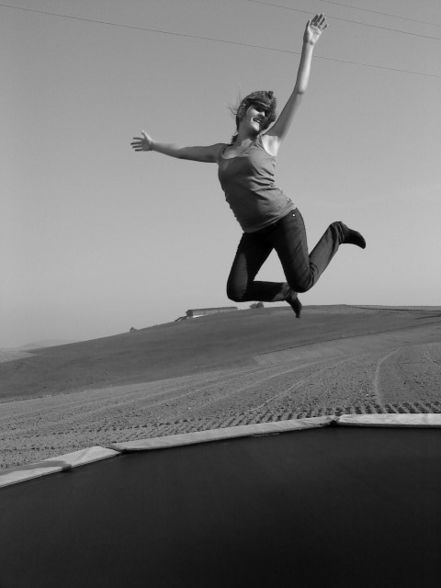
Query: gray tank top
250, 190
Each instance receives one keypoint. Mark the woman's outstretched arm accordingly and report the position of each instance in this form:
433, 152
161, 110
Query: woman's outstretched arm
208, 154
314, 29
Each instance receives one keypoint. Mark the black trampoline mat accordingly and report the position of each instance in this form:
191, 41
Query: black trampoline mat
339, 506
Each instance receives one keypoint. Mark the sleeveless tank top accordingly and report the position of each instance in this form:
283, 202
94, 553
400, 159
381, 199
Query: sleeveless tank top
248, 182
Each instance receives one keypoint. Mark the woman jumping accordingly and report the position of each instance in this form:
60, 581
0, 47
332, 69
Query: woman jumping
269, 219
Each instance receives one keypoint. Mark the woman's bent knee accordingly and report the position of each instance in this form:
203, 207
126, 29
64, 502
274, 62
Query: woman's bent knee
301, 285
301, 288
235, 293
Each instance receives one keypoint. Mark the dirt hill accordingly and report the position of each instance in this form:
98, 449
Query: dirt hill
195, 345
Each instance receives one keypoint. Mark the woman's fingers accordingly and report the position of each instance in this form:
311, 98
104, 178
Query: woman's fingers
318, 20
143, 143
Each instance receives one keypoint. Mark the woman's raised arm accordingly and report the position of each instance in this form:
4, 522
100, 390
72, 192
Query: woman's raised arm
207, 154
314, 29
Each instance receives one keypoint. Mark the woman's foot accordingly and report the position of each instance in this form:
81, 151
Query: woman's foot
294, 302
352, 237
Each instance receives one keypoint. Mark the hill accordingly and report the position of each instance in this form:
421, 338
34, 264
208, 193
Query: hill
195, 345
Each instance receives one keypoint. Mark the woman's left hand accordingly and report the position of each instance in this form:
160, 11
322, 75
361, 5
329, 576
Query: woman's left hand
314, 28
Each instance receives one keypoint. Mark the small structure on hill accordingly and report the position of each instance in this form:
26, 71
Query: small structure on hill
197, 312
257, 305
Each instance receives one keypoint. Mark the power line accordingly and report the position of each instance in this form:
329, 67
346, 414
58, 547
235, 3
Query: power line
383, 67
424, 22
148, 29
351, 21
211, 39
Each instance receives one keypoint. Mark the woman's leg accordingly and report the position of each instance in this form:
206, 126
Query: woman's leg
252, 252
302, 270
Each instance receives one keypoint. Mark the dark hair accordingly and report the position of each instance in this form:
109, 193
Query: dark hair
262, 99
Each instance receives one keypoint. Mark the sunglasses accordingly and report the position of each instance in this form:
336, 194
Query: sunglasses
260, 107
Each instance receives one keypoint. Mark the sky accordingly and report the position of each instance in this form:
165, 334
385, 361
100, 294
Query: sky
96, 239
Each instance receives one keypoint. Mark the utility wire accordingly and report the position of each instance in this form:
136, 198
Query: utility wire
140, 28
358, 22
424, 22
262, 2
211, 39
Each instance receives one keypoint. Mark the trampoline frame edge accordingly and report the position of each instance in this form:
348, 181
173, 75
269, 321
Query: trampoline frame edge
97, 453
54, 465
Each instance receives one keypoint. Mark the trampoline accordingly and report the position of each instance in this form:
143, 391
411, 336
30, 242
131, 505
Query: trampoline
347, 501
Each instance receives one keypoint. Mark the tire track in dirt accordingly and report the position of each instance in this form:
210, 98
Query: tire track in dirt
412, 374
250, 387
375, 381
295, 386
338, 384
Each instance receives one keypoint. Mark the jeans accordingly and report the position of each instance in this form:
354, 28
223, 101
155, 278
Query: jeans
288, 237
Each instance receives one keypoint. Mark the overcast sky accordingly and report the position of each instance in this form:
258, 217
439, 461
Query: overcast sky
96, 239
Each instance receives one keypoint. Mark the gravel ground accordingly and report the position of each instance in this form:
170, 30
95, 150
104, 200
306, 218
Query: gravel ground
396, 371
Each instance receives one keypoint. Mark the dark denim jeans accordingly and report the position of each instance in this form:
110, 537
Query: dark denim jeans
288, 237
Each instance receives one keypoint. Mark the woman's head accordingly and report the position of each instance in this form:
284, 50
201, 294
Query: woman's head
263, 101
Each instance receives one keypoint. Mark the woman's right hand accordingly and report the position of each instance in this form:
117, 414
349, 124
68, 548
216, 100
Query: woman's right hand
143, 143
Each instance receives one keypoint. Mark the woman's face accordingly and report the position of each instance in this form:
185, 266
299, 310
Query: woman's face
254, 117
